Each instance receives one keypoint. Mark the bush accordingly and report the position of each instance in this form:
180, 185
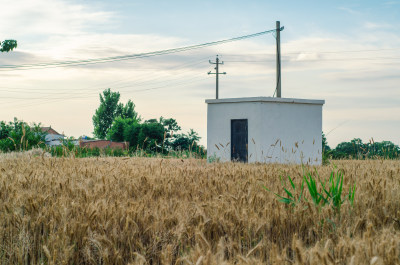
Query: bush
18, 135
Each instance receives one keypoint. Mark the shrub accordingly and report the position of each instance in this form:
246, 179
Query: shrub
321, 192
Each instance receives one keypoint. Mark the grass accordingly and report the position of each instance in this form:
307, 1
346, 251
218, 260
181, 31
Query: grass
321, 192
170, 211
83, 152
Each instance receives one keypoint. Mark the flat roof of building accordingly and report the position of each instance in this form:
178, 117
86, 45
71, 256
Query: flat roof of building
266, 99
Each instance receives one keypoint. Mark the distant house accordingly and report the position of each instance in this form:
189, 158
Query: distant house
52, 138
103, 144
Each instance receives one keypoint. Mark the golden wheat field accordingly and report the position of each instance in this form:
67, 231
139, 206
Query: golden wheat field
163, 211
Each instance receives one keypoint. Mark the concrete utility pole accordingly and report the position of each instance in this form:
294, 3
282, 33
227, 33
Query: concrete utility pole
278, 58
217, 73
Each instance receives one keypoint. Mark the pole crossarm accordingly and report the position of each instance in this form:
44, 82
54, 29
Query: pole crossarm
217, 73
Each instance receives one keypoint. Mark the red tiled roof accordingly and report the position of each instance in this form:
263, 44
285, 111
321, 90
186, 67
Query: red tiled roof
49, 130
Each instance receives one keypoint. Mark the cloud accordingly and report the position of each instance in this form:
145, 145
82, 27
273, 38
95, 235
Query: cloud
372, 25
49, 18
391, 3
350, 10
362, 75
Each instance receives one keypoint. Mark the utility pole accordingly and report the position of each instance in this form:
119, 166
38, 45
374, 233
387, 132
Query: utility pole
217, 73
278, 58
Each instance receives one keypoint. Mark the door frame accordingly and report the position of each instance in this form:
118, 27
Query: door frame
247, 140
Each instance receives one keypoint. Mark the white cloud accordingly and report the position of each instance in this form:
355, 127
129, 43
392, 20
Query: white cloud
49, 18
350, 10
372, 25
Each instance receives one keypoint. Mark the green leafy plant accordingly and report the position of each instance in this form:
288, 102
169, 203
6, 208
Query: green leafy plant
321, 192
213, 159
291, 195
316, 196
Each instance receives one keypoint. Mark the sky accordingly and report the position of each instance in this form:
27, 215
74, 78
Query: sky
345, 52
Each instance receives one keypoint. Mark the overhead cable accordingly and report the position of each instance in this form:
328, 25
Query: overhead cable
128, 57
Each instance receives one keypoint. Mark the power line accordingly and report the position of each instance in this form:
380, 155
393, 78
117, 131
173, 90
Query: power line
347, 51
300, 52
55, 100
76, 95
339, 125
83, 93
83, 90
320, 60
128, 57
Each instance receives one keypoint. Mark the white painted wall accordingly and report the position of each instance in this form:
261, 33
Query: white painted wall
51, 137
54, 142
280, 130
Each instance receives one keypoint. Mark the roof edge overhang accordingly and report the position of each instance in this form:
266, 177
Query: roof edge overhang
267, 100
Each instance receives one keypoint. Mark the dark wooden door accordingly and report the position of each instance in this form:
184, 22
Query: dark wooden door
239, 140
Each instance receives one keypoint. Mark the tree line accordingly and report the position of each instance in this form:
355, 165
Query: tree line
356, 149
113, 121
120, 122
18, 135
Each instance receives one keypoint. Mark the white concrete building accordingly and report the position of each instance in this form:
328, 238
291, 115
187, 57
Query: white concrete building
265, 129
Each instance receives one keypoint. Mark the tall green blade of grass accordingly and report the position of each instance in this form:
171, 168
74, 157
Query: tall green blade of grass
312, 188
281, 198
320, 196
351, 194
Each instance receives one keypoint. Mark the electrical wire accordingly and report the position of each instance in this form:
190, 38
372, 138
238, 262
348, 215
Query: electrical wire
319, 60
298, 52
127, 57
167, 83
78, 95
84, 91
127, 91
21, 106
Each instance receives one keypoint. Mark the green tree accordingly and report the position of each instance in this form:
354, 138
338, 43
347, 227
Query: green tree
359, 150
385, 149
189, 141
326, 150
109, 110
171, 128
8, 45
127, 111
193, 136
151, 136
170, 125
131, 135
325, 146
355, 149
18, 135
181, 142
106, 113
147, 136
116, 132
344, 150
